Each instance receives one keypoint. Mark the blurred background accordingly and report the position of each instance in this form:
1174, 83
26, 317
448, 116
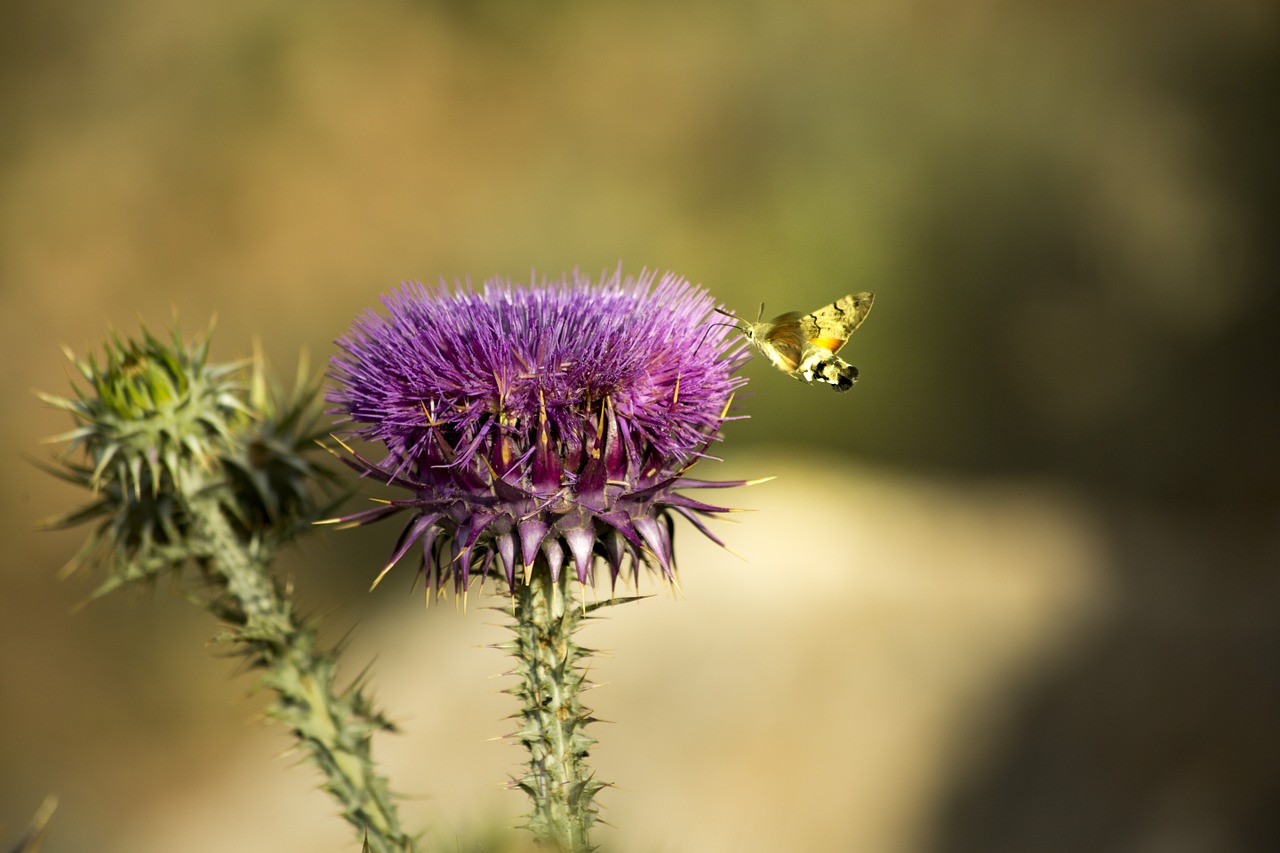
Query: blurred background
1016, 592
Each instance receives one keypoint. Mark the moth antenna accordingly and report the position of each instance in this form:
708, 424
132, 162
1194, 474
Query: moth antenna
711, 326
734, 317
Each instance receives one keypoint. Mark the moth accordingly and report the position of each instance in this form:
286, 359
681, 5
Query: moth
805, 345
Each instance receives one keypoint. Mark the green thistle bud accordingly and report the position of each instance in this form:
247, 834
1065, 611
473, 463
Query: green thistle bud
158, 427
151, 423
153, 413
269, 467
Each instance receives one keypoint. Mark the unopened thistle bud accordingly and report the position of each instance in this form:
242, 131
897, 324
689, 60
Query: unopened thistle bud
158, 426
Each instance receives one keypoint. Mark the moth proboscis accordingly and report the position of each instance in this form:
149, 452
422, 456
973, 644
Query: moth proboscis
804, 346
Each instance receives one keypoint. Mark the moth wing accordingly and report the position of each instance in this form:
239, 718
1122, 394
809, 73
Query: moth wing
786, 319
783, 340
832, 325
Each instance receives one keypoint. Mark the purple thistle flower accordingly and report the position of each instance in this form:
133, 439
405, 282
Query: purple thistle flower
554, 420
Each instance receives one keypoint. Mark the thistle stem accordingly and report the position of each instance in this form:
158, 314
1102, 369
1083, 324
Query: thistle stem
333, 726
558, 780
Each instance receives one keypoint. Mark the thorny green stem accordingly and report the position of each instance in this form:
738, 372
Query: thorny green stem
188, 464
558, 780
334, 726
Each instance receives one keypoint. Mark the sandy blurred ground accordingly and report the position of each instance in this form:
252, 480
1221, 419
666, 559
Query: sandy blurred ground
1015, 593
826, 693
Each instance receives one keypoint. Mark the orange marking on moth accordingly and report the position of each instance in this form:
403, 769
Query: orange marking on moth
828, 344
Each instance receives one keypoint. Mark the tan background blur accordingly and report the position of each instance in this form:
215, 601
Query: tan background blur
1014, 593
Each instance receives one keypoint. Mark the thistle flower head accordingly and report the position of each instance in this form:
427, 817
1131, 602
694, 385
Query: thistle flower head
551, 421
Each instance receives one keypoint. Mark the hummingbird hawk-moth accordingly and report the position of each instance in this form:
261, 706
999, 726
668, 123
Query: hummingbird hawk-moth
805, 345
